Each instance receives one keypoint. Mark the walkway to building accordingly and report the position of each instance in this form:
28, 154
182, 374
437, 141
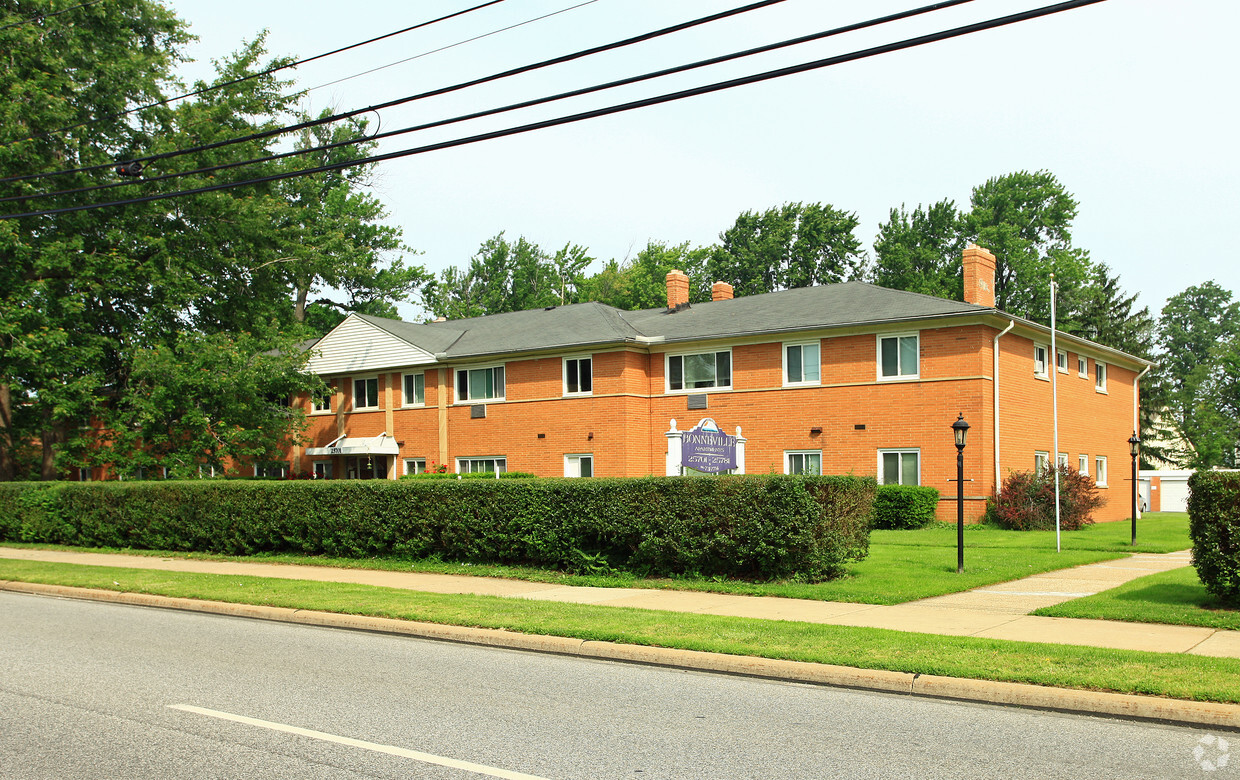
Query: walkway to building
994, 611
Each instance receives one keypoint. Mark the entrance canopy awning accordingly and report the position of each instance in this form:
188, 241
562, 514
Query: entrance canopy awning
358, 445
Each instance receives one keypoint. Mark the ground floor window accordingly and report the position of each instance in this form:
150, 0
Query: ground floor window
578, 465
1100, 470
366, 467
1082, 464
803, 462
1040, 461
899, 467
322, 469
415, 465
486, 465
273, 470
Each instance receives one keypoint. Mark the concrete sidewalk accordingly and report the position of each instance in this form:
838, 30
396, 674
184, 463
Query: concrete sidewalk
995, 611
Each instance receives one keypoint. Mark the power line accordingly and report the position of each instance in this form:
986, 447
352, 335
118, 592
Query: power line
423, 95
41, 17
524, 104
221, 85
600, 112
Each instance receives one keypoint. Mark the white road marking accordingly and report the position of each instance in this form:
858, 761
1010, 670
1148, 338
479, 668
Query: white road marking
358, 743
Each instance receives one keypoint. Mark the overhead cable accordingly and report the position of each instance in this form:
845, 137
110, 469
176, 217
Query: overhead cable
909, 43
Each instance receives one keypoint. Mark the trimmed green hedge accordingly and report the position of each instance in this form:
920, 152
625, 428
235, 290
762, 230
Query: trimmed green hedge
471, 475
904, 506
752, 527
1214, 527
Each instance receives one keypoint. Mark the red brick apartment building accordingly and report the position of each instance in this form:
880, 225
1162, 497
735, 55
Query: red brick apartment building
841, 379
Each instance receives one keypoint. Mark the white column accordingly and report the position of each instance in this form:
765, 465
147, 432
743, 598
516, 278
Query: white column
740, 451
673, 451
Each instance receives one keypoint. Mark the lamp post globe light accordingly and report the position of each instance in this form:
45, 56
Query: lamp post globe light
1134, 449
960, 429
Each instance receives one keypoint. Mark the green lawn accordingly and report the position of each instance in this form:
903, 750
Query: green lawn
1175, 596
902, 565
1173, 675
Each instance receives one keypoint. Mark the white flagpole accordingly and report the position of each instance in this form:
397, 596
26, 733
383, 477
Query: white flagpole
1055, 410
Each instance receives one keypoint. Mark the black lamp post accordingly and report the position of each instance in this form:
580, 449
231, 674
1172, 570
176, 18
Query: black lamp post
961, 429
1134, 448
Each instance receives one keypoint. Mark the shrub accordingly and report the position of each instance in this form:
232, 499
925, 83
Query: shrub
904, 506
752, 527
1214, 527
1027, 501
470, 475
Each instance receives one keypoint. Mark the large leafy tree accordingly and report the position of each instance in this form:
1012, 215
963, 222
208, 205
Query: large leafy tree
794, 245
919, 251
641, 282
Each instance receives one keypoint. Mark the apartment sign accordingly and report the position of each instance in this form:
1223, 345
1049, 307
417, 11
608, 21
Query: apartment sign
708, 449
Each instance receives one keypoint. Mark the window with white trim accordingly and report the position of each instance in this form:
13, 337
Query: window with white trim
898, 356
484, 465
480, 384
1082, 367
321, 400
366, 393
1100, 376
578, 376
700, 371
1062, 460
1040, 360
273, 470
899, 467
802, 365
322, 469
1082, 464
1100, 470
1040, 461
415, 465
578, 465
1061, 360
803, 462
413, 389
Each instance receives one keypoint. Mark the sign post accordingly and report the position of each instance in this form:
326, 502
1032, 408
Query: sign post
705, 448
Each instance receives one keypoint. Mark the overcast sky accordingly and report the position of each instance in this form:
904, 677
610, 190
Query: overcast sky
1132, 104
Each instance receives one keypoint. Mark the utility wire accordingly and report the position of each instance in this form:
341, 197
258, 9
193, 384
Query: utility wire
524, 104
223, 84
423, 95
600, 112
41, 17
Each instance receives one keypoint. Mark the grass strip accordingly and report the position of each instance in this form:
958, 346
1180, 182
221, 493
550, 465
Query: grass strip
1176, 597
1159, 674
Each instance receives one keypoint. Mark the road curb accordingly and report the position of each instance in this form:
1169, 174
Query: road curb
1151, 708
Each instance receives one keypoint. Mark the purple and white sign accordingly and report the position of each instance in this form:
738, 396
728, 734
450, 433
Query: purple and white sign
709, 450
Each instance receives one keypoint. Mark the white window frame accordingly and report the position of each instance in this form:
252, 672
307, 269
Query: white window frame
790, 454
1082, 464
572, 464
321, 469
565, 375
1041, 460
667, 371
1061, 360
284, 467
1100, 376
499, 462
419, 465
378, 395
1041, 368
897, 377
456, 384
802, 346
329, 396
404, 399
902, 451
1100, 470
1082, 367
1062, 460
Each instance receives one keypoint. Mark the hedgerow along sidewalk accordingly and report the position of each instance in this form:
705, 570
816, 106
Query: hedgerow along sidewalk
994, 611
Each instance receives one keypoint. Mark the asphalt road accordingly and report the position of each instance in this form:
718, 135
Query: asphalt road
93, 690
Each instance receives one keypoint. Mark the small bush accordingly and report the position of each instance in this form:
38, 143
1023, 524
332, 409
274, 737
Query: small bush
904, 506
1027, 501
1214, 527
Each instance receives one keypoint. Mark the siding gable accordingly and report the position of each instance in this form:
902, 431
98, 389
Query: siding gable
356, 346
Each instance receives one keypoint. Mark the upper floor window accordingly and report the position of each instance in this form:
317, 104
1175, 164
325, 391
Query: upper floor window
480, 384
1061, 360
578, 376
801, 364
1100, 376
1040, 360
321, 401
899, 467
366, 393
414, 389
803, 462
898, 356
698, 371
1082, 367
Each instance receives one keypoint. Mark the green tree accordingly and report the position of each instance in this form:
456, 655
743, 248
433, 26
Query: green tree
794, 245
641, 283
920, 251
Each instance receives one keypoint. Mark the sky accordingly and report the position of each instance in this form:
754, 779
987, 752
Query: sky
1132, 104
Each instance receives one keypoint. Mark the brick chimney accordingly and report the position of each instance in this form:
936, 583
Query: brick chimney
721, 291
979, 276
677, 290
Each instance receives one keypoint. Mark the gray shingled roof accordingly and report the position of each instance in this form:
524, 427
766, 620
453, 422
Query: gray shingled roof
591, 324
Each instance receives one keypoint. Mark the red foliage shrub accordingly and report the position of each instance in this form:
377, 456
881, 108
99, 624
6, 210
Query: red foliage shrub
1027, 501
